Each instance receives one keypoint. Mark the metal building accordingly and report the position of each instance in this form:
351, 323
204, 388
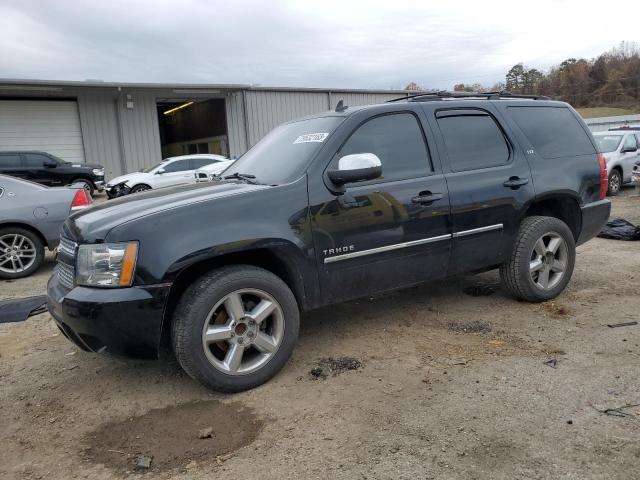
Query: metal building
128, 126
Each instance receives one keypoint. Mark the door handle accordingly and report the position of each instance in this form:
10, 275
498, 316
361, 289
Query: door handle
426, 197
515, 182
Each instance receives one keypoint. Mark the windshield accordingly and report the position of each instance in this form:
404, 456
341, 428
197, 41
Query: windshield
608, 143
148, 169
283, 155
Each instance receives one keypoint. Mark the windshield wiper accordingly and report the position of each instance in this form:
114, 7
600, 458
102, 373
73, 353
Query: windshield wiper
243, 176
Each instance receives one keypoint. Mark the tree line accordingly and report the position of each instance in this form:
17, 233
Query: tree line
611, 79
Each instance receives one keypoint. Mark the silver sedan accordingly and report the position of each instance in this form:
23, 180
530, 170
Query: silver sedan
31, 216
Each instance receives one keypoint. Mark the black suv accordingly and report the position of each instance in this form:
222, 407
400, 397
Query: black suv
328, 208
47, 169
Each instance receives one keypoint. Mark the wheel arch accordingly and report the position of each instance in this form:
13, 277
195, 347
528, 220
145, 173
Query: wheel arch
273, 260
562, 206
29, 227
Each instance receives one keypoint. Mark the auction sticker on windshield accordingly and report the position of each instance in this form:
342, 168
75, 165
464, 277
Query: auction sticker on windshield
311, 137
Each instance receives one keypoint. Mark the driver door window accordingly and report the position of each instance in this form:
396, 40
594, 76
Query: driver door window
397, 140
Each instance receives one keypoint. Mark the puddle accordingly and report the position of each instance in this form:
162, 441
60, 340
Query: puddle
169, 436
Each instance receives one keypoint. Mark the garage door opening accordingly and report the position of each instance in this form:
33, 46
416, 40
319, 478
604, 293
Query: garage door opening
192, 126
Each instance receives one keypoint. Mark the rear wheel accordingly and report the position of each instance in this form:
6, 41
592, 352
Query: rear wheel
235, 328
542, 260
615, 182
21, 252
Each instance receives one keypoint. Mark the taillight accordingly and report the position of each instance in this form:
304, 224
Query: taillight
604, 178
81, 199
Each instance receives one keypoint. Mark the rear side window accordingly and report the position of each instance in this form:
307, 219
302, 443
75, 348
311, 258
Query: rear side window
473, 141
397, 140
630, 142
553, 131
9, 160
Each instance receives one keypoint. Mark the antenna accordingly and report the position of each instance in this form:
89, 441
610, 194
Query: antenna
341, 107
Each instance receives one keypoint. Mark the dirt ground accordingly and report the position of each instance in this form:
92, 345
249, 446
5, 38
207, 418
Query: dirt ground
449, 386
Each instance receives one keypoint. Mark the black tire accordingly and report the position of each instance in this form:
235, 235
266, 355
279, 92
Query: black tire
516, 273
615, 183
140, 188
86, 184
37, 244
194, 309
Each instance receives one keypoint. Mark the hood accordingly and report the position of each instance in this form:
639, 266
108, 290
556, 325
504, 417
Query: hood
129, 177
94, 223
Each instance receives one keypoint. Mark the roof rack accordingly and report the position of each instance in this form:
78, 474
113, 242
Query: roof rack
428, 97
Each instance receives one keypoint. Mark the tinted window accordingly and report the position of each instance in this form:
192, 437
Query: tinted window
201, 162
9, 160
473, 141
34, 160
630, 142
553, 131
177, 166
397, 140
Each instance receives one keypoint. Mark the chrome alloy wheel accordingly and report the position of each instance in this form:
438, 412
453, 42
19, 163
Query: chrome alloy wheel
243, 331
548, 261
17, 253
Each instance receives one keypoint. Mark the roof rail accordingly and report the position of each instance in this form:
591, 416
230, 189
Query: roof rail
427, 97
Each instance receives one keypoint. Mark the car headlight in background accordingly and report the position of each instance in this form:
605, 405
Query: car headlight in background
106, 264
98, 171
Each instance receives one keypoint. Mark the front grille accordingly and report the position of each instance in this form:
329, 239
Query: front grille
67, 247
66, 274
66, 262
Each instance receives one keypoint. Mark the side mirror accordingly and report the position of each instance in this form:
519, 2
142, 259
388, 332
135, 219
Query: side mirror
629, 149
160, 171
358, 167
49, 163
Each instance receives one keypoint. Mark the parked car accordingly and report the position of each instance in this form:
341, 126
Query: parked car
169, 172
620, 148
223, 269
212, 171
47, 169
31, 216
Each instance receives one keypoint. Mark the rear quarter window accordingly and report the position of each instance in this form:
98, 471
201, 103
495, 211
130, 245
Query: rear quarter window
553, 131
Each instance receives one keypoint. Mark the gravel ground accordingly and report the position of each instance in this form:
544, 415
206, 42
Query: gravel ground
429, 382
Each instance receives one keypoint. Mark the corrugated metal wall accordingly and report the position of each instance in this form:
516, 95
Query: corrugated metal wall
100, 133
140, 130
605, 123
266, 109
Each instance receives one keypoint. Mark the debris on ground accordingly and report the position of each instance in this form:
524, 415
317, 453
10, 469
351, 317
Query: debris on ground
479, 290
475, 326
620, 229
553, 363
556, 310
625, 324
618, 411
205, 433
330, 366
19, 309
143, 462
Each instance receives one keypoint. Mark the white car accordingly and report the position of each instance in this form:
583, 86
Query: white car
169, 172
209, 172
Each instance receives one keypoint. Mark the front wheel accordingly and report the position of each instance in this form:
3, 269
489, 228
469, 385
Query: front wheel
235, 328
615, 183
542, 260
86, 184
140, 188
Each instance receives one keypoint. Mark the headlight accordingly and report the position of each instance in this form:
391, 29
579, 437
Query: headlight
98, 171
106, 264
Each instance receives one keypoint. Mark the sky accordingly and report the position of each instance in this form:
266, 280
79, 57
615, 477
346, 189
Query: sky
304, 43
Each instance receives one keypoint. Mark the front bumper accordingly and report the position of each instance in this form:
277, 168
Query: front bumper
594, 217
99, 184
121, 321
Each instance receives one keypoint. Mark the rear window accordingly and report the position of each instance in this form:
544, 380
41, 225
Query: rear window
553, 131
608, 143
